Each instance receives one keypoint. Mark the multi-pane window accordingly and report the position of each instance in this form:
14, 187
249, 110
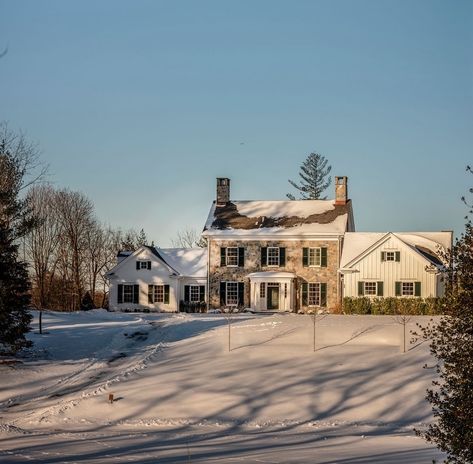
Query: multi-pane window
232, 256
232, 294
157, 294
194, 293
262, 290
370, 289
285, 290
273, 256
314, 257
313, 294
390, 256
128, 293
407, 288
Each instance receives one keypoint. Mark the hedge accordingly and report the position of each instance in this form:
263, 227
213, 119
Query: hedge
395, 306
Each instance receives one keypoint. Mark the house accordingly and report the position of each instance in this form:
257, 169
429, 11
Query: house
158, 279
394, 264
276, 255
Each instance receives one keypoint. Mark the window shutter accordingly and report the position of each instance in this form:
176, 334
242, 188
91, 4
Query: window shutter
383, 256
361, 288
120, 294
241, 294
305, 257
417, 289
150, 294
137, 265
149, 265
323, 294
241, 257
136, 294
186, 293
166, 294
223, 299
282, 257
264, 256
223, 256
398, 288
380, 289
398, 256
323, 257
304, 294
202, 293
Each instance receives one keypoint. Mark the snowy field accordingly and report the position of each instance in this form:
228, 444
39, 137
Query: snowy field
181, 396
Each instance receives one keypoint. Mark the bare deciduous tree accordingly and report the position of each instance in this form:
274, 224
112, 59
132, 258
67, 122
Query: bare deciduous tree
189, 238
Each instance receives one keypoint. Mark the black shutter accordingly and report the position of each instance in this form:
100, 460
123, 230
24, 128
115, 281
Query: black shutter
323, 257
223, 299
304, 294
166, 294
150, 294
241, 293
417, 288
241, 257
380, 289
264, 256
223, 256
120, 294
186, 293
202, 293
361, 288
398, 256
323, 295
282, 257
149, 265
137, 265
398, 288
136, 294
305, 257
383, 256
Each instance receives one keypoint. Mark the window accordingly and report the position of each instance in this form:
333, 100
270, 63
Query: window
407, 288
285, 290
262, 290
157, 292
314, 257
232, 294
128, 293
273, 256
314, 294
143, 265
390, 256
194, 293
232, 256
370, 289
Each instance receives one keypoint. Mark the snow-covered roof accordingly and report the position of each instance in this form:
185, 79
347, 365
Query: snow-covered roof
426, 244
279, 217
190, 262
271, 274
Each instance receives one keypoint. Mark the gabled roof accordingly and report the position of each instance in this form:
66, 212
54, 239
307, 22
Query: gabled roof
283, 217
428, 245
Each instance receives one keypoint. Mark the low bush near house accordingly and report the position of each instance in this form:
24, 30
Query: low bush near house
393, 306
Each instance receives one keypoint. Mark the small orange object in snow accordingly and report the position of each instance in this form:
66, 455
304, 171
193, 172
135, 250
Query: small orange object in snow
110, 397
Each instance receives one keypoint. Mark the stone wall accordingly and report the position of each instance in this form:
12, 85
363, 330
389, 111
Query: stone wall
294, 248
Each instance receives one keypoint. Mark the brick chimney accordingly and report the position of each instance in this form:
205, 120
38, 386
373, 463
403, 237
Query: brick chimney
341, 190
223, 191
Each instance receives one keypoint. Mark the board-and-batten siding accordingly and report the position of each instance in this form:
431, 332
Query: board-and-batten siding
411, 267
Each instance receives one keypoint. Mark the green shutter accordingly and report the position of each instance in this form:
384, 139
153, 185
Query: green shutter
398, 288
398, 256
166, 294
383, 256
241, 257
186, 293
305, 257
136, 294
264, 256
361, 288
417, 289
282, 257
380, 289
304, 294
120, 294
150, 294
323, 257
323, 295
202, 293
223, 256
223, 299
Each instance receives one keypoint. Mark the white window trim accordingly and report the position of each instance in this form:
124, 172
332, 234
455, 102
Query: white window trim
320, 256
226, 294
279, 256
153, 293
190, 293
375, 288
308, 295
413, 289
386, 256
132, 293
237, 257
145, 262
262, 290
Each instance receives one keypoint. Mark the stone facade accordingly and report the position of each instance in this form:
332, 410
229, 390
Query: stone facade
294, 264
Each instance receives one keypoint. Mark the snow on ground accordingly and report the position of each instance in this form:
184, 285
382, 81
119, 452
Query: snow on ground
181, 396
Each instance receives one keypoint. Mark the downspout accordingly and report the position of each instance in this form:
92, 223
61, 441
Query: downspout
208, 274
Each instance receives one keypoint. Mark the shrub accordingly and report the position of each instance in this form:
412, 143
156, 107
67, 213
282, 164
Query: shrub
392, 306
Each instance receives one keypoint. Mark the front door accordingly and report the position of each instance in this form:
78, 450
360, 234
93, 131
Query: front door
272, 296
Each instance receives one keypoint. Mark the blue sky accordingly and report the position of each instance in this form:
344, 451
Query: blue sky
142, 104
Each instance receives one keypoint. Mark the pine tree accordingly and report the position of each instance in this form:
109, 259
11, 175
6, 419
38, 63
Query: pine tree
87, 302
15, 222
313, 173
452, 345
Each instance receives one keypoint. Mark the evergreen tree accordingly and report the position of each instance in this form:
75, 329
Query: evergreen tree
15, 222
313, 173
87, 302
141, 240
452, 345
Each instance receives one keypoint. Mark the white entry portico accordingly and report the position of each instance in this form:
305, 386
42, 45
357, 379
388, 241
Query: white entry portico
272, 291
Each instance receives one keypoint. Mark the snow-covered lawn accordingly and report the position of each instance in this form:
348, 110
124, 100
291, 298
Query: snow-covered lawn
181, 396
